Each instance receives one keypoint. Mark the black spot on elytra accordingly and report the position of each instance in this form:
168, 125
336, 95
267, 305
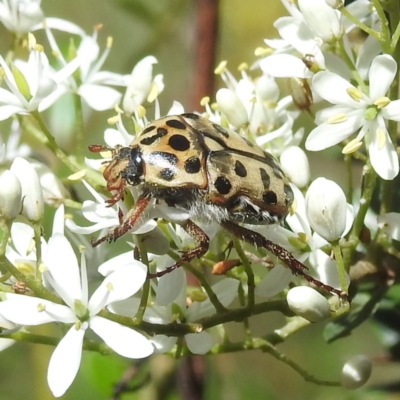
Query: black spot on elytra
270, 197
278, 172
289, 195
175, 123
148, 129
223, 185
150, 140
179, 142
161, 158
240, 169
191, 116
247, 141
192, 165
221, 130
167, 174
265, 178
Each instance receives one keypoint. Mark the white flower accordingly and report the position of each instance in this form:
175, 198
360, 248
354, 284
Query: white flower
354, 110
31, 83
20, 16
10, 196
141, 85
326, 209
308, 303
33, 202
63, 274
356, 371
93, 84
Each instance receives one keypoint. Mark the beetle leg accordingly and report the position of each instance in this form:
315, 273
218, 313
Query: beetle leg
259, 240
127, 224
200, 237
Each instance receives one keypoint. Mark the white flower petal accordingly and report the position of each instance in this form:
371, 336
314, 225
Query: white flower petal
63, 267
199, 343
381, 74
321, 18
169, 285
123, 340
65, 361
33, 203
326, 269
6, 343
294, 163
392, 111
114, 263
8, 110
24, 310
277, 279
62, 25
327, 135
162, 343
98, 97
124, 282
326, 208
285, 66
390, 224
308, 303
384, 158
333, 88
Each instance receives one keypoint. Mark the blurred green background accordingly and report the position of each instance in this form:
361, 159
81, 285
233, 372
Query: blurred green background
163, 28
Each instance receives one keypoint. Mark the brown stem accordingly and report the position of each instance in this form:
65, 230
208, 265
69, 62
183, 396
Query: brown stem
206, 31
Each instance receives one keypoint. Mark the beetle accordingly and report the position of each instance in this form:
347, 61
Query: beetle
210, 171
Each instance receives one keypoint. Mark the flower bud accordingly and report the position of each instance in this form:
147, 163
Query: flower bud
356, 371
321, 19
295, 165
230, 105
326, 209
10, 196
308, 303
301, 93
32, 195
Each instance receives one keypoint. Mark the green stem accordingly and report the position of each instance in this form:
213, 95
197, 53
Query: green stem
33, 284
249, 272
395, 39
360, 24
367, 190
385, 31
146, 287
269, 348
340, 266
79, 131
38, 245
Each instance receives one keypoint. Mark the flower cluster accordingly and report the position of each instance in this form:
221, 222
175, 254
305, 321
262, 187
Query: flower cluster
141, 307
